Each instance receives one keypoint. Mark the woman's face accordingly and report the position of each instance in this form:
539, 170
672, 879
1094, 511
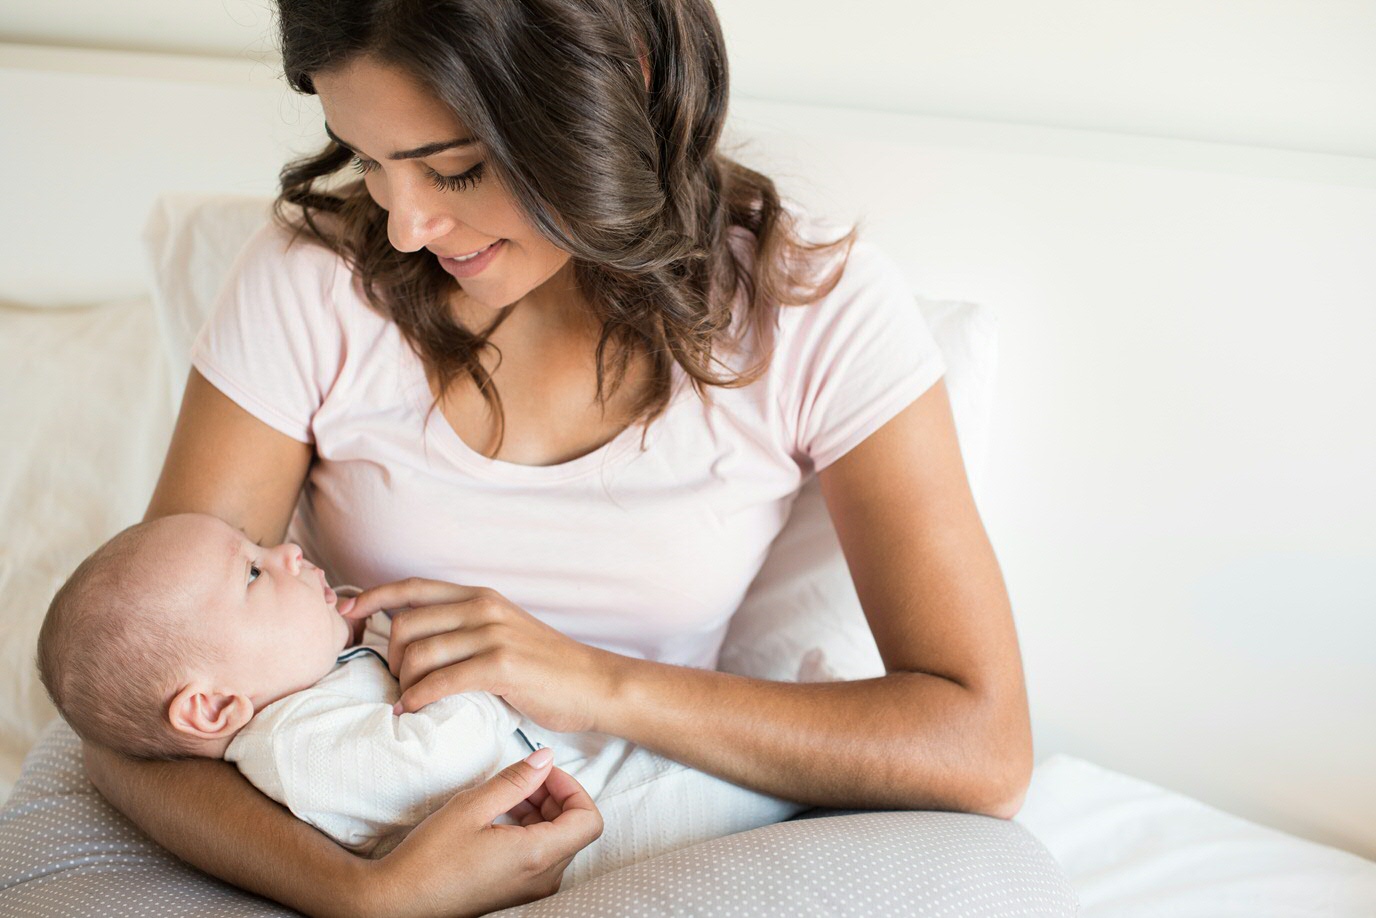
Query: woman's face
438, 196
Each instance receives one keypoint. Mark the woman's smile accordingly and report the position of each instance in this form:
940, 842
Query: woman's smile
472, 264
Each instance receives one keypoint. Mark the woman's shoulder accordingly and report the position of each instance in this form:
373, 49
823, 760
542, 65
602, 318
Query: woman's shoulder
866, 277
284, 266
860, 261
276, 247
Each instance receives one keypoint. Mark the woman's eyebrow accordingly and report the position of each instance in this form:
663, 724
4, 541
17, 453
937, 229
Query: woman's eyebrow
430, 149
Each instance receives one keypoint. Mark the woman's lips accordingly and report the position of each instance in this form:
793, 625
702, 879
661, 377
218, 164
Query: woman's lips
474, 265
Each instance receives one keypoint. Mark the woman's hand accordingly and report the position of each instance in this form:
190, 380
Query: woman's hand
448, 639
458, 863
358, 625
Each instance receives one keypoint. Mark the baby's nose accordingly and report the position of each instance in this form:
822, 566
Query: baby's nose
294, 557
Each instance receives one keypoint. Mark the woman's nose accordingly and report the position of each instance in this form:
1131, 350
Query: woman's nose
413, 221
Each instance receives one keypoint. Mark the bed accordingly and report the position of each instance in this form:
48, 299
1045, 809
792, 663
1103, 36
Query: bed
109, 260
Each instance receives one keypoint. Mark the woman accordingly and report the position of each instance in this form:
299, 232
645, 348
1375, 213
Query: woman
541, 201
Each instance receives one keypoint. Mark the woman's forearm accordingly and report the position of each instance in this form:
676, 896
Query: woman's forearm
902, 741
207, 814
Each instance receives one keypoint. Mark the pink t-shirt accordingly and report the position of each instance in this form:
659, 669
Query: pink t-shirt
646, 554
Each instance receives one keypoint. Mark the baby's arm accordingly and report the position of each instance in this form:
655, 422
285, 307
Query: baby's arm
358, 772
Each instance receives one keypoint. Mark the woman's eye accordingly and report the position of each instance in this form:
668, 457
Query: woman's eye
457, 182
443, 182
253, 572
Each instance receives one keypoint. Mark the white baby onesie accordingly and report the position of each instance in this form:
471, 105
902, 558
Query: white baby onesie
339, 759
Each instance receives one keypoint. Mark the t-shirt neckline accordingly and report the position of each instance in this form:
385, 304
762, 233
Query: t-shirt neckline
441, 435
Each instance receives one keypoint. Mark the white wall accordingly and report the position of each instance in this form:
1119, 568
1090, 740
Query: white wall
1295, 74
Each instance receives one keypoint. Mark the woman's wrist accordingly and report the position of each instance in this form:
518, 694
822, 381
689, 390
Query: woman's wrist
362, 890
619, 674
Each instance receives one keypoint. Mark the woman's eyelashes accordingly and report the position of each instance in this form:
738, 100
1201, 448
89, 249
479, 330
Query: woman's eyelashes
443, 182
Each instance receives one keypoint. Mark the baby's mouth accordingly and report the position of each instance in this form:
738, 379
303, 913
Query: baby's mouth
331, 597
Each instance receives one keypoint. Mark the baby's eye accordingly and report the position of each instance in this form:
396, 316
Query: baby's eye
253, 571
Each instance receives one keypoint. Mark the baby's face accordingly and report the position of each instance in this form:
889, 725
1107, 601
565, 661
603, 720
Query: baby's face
268, 611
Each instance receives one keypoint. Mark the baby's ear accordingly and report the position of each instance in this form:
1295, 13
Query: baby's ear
208, 714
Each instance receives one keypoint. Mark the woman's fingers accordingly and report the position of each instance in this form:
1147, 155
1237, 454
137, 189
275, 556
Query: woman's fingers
406, 594
479, 673
425, 626
548, 802
565, 790
505, 790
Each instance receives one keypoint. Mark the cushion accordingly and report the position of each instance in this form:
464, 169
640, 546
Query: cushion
66, 853
801, 619
190, 242
86, 422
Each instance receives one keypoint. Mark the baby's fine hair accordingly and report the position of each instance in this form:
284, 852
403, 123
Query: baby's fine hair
113, 648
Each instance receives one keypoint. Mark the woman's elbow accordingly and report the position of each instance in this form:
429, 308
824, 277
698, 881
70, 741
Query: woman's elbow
1007, 805
999, 790
1009, 772
1003, 780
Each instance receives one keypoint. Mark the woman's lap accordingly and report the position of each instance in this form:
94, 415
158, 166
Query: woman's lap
65, 852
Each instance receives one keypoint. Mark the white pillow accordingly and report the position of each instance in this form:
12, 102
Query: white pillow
86, 426
191, 241
801, 619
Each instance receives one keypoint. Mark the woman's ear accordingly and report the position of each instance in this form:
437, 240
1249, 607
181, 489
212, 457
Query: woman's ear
208, 714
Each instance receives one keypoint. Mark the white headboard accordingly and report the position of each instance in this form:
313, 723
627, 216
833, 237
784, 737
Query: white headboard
1180, 483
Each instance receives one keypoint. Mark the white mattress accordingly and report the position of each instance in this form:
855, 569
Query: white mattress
1131, 848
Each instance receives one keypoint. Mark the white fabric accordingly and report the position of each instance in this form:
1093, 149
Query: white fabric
339, 759
1133, 849
84, 424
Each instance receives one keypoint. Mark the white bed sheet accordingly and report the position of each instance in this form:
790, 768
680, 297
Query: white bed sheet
1131, 848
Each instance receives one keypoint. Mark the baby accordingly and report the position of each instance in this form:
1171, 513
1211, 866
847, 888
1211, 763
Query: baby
181, 637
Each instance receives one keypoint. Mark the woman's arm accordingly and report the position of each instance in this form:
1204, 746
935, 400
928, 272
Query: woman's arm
204, 812
946, 728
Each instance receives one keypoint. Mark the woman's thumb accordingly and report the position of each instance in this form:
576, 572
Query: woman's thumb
514, 783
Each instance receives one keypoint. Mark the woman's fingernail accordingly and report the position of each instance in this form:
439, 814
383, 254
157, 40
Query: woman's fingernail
540, 757
344, 605
396, 708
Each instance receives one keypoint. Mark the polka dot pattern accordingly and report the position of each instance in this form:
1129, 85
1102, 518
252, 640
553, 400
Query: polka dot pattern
66, 853
943, 865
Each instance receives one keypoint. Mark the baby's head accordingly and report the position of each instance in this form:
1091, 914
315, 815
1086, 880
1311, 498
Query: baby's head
170, 636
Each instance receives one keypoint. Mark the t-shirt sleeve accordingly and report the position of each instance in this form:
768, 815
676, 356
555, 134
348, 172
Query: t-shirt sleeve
273, 342
855, 358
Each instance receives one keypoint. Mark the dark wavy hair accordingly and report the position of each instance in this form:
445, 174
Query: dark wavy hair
628, 181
